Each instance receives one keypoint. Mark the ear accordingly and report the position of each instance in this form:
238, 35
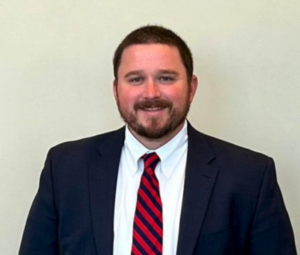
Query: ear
193, 88
115, 84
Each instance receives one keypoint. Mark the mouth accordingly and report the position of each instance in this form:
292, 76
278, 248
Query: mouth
153, 105
152, 109
152, 112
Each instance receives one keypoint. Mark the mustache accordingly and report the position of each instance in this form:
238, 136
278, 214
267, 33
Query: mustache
154, 103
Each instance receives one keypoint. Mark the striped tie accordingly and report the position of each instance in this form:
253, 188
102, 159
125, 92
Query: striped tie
148, 225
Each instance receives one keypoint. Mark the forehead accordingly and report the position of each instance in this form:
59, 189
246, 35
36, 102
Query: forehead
150, 57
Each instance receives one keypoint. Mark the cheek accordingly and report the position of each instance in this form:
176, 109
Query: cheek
126, 98
178, 97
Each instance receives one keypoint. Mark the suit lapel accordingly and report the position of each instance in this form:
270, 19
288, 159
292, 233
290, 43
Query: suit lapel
103, 172
199, 181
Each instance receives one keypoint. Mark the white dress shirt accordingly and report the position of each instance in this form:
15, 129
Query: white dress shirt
170, 173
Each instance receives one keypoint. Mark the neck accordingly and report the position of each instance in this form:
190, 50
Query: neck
153, 144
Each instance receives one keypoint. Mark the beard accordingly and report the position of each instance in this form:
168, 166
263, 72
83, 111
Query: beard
156, 126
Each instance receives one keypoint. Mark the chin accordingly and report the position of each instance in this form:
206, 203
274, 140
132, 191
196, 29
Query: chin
157, 131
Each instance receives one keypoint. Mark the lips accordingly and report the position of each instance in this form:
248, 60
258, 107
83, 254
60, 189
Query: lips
152, 105
153, 109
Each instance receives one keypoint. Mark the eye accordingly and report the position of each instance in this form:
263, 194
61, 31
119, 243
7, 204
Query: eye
166, 79
136, 80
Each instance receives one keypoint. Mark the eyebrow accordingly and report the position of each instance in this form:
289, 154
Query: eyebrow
136, 72
161, 71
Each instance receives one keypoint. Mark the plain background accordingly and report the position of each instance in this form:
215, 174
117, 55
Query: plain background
56, 83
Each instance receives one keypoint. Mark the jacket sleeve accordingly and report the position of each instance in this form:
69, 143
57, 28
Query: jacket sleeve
40, 236
271, 232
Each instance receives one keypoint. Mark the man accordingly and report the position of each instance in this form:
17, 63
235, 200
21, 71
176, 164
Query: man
157, 186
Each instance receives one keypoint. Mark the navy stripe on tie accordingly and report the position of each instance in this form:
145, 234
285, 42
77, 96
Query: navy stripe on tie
148, 225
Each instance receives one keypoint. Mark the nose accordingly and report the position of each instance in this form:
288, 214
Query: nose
151, 90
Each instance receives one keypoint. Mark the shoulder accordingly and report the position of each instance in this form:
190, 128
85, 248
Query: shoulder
86, 146
230, 156
227, 149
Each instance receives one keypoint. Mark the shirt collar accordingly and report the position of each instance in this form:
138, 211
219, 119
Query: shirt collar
133, 150
169, 154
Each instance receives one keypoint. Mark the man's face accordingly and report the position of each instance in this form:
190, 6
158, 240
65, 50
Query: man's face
152, 92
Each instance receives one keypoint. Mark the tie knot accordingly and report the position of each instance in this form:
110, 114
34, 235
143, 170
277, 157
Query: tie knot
150, 160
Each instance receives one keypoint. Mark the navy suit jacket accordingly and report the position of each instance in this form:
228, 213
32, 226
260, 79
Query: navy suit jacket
231, 204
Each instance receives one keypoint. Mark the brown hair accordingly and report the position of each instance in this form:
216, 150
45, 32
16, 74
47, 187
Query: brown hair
155, 34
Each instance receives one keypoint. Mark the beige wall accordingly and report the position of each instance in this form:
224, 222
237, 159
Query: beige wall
56, 76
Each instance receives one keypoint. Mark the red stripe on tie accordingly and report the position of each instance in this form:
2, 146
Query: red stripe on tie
135, 250
153, 192
149, 235
148, 223
149, 202
153, 179
149, 160
150, 220
141, 242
